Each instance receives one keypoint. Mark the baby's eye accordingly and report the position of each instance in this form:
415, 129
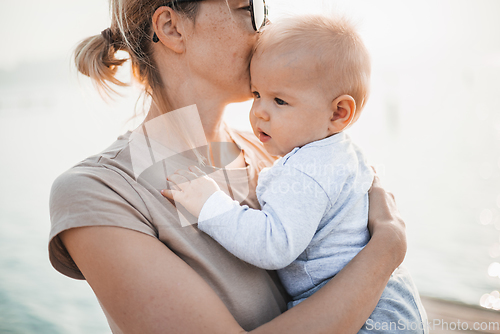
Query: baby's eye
280, 102
256, 95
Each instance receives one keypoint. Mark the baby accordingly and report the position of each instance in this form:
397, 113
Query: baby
310, 81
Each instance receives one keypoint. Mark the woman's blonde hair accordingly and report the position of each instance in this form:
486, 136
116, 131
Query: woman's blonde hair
130, 31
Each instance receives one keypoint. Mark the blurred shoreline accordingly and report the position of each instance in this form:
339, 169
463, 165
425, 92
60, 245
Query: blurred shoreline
446, 316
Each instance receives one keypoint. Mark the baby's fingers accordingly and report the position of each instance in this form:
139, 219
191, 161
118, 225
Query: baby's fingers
173, 186
168, 193
177, 178
187, 174
197, 171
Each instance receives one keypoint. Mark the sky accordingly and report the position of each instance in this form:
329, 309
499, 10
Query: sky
397, 32
34, 31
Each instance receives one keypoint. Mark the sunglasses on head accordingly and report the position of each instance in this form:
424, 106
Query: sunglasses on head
258, 10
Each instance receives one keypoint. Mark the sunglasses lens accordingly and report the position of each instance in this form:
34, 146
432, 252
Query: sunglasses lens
259, 11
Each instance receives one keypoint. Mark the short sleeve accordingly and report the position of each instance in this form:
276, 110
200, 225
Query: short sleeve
92, 196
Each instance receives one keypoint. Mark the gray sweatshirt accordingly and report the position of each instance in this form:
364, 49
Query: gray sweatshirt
313, 217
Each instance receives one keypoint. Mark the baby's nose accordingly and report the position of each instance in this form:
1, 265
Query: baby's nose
260, 112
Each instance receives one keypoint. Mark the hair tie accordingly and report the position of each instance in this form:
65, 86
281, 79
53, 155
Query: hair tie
108, 36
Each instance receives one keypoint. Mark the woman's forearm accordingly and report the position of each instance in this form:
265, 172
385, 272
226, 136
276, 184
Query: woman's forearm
153, 291
146, 288
348, 299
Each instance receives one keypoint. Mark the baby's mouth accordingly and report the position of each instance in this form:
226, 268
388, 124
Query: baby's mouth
264, 136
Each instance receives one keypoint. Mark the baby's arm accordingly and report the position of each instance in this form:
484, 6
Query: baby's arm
271, 238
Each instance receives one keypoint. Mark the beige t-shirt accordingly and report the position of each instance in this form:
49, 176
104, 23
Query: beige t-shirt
103, 190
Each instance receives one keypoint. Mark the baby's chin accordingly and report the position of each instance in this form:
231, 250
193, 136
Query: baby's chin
273, 151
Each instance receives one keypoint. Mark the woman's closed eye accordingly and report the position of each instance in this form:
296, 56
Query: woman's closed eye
247, 11
280, 101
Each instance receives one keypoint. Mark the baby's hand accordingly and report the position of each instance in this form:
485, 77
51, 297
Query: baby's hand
195, 187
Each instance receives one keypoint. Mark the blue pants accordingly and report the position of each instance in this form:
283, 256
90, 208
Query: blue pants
399, 310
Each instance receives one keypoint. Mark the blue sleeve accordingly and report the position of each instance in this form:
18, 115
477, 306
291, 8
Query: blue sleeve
293, 205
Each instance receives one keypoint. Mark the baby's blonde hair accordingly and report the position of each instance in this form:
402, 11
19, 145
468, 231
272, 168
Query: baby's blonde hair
341, 56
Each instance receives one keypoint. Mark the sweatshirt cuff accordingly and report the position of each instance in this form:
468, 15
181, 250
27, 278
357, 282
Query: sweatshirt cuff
217, 204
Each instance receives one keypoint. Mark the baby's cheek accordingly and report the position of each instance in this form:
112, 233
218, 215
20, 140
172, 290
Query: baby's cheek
252, 119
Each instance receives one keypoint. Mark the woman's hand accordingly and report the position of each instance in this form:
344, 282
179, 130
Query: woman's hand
384, 220
194, 189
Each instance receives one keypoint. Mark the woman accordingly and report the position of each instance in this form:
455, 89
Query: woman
157, 274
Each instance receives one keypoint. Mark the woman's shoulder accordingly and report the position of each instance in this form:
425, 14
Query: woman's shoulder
93, 189
88, 179
91, 196
95, 192
91, 177
104, 184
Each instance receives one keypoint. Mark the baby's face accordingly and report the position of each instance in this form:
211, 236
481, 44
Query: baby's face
290, 109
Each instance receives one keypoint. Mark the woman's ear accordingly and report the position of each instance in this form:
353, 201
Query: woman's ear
343, 111
168, 27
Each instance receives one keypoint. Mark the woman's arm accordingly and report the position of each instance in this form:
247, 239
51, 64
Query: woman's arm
146, 288
143, 285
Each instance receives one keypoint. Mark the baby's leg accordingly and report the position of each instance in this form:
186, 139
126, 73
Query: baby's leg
399, 310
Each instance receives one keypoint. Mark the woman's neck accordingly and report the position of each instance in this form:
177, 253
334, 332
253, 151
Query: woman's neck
182, 88
211, 117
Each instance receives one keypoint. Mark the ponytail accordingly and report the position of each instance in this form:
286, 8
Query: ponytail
95, 57
130, 31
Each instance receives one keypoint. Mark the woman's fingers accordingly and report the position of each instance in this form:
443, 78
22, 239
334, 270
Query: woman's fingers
383, 215
392, 195
376, 181
377, 186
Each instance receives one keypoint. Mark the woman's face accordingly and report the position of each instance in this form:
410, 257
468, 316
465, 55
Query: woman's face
220, 46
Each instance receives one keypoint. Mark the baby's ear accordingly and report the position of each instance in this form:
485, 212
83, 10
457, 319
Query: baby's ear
343, 111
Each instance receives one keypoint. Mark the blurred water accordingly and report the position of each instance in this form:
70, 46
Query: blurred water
39, 141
